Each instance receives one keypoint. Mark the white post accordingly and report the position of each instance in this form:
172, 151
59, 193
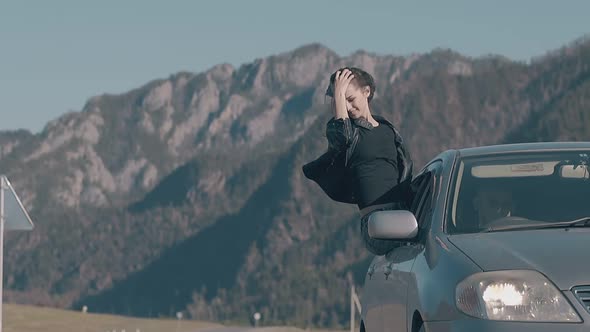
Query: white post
357, 301
178, 318
354, 303
352, 322
257, 317
2, 185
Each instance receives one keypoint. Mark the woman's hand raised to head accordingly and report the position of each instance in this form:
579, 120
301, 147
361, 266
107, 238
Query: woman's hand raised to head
341, 82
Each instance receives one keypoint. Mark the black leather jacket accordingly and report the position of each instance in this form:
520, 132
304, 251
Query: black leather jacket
329, 170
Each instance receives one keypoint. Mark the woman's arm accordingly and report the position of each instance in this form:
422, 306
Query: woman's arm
339, 128
341, 82
339, 134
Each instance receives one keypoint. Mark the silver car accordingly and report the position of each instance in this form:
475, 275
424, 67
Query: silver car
497, 239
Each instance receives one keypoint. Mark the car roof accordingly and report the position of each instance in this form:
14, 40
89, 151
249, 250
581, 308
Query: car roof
523, 147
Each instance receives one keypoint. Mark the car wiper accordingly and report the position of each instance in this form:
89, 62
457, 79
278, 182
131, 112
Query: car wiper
581, 222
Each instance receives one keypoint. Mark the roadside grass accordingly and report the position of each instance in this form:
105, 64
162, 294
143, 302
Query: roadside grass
23, 318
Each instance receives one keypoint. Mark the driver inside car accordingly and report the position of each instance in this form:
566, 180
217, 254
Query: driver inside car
491, 203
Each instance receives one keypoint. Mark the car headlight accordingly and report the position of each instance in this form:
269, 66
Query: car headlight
516, 295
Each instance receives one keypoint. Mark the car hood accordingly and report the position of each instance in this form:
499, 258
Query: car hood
560, 254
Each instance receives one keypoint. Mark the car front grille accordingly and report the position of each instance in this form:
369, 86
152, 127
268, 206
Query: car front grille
583, 294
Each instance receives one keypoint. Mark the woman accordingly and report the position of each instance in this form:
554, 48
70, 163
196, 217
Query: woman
366, 163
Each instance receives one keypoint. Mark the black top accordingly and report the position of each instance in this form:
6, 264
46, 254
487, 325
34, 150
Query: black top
373, 166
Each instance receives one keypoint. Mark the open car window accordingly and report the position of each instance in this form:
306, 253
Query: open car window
420, 187
426, 187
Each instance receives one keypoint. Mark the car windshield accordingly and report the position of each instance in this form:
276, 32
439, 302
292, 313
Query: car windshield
504, 192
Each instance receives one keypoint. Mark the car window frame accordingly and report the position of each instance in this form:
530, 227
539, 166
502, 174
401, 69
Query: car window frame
427, 194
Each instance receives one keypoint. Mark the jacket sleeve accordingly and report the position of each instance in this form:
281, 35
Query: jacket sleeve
328, 172
339, 134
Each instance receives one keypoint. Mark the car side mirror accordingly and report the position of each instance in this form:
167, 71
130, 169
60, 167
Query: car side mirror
392, 225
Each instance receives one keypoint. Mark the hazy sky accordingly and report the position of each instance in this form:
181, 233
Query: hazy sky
54, 55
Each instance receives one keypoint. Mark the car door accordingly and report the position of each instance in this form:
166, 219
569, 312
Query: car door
373, 295
384, 295
397, 265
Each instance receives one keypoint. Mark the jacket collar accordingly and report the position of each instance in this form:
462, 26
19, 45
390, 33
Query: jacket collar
361, 122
